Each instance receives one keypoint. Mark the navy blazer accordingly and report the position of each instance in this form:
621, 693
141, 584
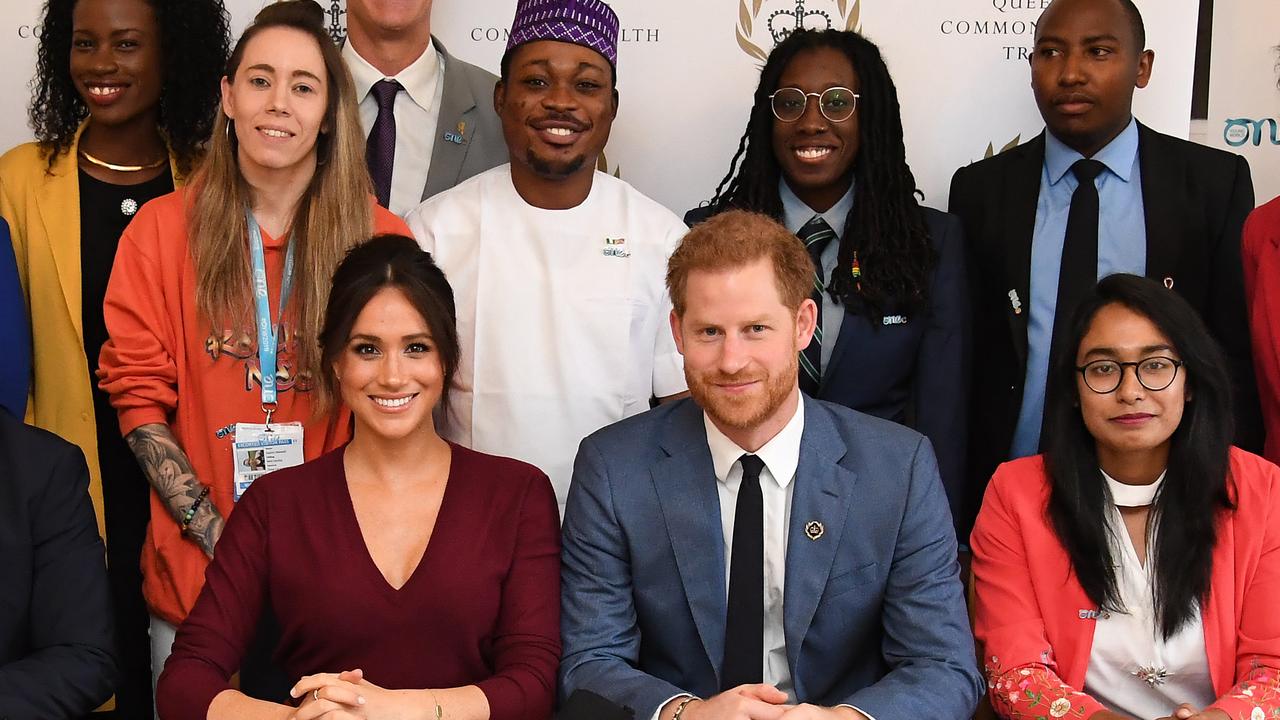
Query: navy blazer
913, 370
874, 609
15, 333
56, 652
1195, 201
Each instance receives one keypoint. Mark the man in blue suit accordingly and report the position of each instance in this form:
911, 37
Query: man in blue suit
750, 554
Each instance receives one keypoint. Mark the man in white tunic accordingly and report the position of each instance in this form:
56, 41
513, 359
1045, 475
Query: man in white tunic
557, 270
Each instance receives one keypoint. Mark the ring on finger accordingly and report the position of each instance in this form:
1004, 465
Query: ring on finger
315, 694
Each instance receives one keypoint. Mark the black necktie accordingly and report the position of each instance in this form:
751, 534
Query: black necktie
1079, 270
744, 622
380, 148
816, 235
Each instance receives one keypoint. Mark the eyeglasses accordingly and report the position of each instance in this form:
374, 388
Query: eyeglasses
1153, 373
836, 103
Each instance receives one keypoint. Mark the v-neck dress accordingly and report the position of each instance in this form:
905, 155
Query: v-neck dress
481, 608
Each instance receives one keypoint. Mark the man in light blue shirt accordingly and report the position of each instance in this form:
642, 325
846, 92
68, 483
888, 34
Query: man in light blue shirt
1160, 207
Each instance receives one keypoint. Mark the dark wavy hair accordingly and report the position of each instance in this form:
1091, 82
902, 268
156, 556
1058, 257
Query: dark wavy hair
387, 261
1184, 515
194, 39
886, 226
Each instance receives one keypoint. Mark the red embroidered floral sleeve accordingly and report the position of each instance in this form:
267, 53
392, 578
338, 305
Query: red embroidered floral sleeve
1034, 692
1257, 697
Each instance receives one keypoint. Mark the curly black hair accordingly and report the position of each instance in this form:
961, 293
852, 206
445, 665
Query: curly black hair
195, 39
886, 226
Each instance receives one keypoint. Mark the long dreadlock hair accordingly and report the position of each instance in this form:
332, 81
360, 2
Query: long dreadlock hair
886, 226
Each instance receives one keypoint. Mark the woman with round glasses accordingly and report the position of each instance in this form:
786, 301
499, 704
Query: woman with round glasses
823, 154
1132, 570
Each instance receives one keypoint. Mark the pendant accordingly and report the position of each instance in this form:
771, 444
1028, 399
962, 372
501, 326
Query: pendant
128, 207
1152, 675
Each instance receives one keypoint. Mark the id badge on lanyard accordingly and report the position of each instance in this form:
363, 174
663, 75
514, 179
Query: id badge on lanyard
260, 448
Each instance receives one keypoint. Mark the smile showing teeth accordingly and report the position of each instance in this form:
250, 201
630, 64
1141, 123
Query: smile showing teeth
275, 133
394, 402
812, 153
562, 132
104, 89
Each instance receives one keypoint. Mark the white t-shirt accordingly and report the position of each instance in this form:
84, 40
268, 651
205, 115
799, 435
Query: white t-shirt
562, 314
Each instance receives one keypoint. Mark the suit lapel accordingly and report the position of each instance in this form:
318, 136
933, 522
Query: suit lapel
823, 493
843, 338
1021, 194
454, 129
686, 484
59, 206
1162, 176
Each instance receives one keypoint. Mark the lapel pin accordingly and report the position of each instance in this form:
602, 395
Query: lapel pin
1015, 302
813, 530
1168, 283
459, 136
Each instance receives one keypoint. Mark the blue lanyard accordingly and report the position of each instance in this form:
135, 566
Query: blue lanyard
267, 338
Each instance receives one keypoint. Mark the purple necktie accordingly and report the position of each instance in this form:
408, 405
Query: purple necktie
380, 149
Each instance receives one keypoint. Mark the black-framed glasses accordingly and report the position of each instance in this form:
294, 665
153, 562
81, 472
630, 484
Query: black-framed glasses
1154, 373
835, 103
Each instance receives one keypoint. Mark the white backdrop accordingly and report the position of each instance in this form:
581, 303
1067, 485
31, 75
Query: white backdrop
687, 69
1244, 104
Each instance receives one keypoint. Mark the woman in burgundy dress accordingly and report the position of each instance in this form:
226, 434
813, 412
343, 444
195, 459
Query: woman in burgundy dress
411, 577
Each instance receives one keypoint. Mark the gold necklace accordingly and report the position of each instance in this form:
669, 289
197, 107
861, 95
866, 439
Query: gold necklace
123, 168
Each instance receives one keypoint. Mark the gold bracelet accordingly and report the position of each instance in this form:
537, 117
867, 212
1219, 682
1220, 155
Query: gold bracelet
680, 708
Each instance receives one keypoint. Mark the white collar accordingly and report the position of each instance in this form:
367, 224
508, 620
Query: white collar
1131, 496
419, 79
781, 454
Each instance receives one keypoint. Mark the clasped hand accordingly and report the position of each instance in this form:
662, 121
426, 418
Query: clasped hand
761, 702
348, 696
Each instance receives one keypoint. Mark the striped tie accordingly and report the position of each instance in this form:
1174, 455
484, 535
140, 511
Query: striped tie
815, 235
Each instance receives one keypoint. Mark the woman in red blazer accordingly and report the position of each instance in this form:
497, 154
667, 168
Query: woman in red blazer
1133, 570
1261, 256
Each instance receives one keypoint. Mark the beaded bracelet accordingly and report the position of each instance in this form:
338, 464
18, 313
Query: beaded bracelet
190, 512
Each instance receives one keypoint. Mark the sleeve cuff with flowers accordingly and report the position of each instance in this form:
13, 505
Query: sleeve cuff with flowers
1257, 697
1034, 692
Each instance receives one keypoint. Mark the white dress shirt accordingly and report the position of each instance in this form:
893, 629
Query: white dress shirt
1128, 645
417, 113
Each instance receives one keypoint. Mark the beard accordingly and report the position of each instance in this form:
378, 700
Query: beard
553, 170
745, 412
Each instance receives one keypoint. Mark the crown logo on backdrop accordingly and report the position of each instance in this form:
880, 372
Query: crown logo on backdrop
337, 29
784, 22
752, 24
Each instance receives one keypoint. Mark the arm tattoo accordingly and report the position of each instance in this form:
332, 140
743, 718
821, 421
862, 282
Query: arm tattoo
169, 471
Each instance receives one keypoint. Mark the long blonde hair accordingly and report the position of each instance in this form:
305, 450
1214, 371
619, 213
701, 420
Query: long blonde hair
333, 215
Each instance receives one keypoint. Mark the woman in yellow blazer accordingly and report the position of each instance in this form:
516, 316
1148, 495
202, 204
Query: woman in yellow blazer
124, 98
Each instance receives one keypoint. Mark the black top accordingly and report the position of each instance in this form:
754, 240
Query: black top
105, 210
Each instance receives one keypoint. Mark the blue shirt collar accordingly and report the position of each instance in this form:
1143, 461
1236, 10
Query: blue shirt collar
1119, 155
795, 213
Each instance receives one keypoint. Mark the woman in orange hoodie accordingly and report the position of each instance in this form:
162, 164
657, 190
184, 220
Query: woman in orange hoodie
216, 298
1132, 570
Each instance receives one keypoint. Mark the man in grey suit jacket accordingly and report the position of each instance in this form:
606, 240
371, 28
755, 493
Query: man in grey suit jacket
750, 553
438, 126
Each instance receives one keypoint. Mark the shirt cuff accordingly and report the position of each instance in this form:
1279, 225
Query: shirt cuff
657, 713
865, 714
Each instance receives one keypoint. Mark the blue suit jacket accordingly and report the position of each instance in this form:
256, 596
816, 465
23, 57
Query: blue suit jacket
874, 609
917, 372
15, 333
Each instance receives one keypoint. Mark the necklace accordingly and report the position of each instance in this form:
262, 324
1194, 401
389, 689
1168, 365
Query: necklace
123, 168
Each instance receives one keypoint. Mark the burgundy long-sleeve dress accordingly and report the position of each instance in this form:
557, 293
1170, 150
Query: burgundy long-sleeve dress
482, 607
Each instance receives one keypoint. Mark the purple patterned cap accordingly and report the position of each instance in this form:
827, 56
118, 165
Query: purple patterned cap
589, 23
